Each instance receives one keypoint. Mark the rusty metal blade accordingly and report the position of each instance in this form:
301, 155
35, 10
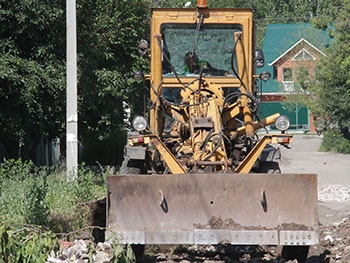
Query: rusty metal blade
211, 208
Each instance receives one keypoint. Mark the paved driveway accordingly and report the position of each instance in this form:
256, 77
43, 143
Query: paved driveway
304, 157
332, 169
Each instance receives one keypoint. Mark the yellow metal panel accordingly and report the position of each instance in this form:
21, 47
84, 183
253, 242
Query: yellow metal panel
211, 16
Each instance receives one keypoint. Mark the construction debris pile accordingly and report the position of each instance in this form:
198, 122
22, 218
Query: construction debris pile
334, 193
334, 247
335, 241
82, 251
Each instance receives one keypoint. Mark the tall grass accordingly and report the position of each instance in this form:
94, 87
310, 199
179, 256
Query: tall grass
30, 195
39, 206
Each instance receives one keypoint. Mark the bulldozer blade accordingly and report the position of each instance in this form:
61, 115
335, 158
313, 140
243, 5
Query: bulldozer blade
271, 209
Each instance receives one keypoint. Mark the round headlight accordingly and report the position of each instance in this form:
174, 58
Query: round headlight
265, 75
282, 123
139, 123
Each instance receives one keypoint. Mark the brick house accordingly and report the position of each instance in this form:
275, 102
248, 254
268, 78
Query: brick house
291, 53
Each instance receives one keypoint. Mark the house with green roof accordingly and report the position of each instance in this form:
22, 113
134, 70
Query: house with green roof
291, 53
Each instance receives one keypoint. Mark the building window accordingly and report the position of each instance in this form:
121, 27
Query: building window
287, 79
304, 55
287, 74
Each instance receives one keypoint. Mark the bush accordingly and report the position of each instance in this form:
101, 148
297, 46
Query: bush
22, 182
24, 243
15, 169
23, 192
30, 197
89, 186
41, 197
334, 141
68, 201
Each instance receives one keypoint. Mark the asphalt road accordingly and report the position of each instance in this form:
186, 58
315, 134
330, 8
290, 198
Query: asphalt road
304, 157
333, 173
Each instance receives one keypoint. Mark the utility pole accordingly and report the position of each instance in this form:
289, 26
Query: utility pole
72, 108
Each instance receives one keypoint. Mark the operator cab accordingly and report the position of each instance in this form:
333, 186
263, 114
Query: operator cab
189, 49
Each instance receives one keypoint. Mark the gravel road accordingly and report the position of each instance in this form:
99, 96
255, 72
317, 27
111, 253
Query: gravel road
333, 173
304, 157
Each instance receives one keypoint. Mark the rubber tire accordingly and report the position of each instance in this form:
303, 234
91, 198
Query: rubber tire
131, 166
269, 168
139, 251
299, 253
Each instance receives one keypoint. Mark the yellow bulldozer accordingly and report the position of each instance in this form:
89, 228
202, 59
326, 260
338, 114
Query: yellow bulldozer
195, 169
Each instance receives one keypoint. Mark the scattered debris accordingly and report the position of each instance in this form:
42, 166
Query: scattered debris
334, 247
334, 193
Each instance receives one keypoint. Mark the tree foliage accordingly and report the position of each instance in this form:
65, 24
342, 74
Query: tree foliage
31, 73
32, 63
108, 37
108, 40
25, 243
332, 88
32, 69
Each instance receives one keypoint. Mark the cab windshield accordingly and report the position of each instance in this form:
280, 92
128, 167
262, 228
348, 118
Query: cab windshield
190, 50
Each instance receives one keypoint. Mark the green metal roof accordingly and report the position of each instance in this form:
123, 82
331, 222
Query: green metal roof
280, 37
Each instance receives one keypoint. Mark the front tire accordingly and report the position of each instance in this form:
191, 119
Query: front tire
269, 168
299, 253
130, 166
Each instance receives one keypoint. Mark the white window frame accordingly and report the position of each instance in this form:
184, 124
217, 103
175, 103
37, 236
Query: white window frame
303, 51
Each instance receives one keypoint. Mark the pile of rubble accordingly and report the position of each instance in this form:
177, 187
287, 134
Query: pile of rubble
335, 240
334, 247
334, 193
82, 251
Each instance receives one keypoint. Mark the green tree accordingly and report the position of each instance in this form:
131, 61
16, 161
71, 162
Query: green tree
32, 63
107, 45
332, 89
32, 69
108, 38
32, 52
